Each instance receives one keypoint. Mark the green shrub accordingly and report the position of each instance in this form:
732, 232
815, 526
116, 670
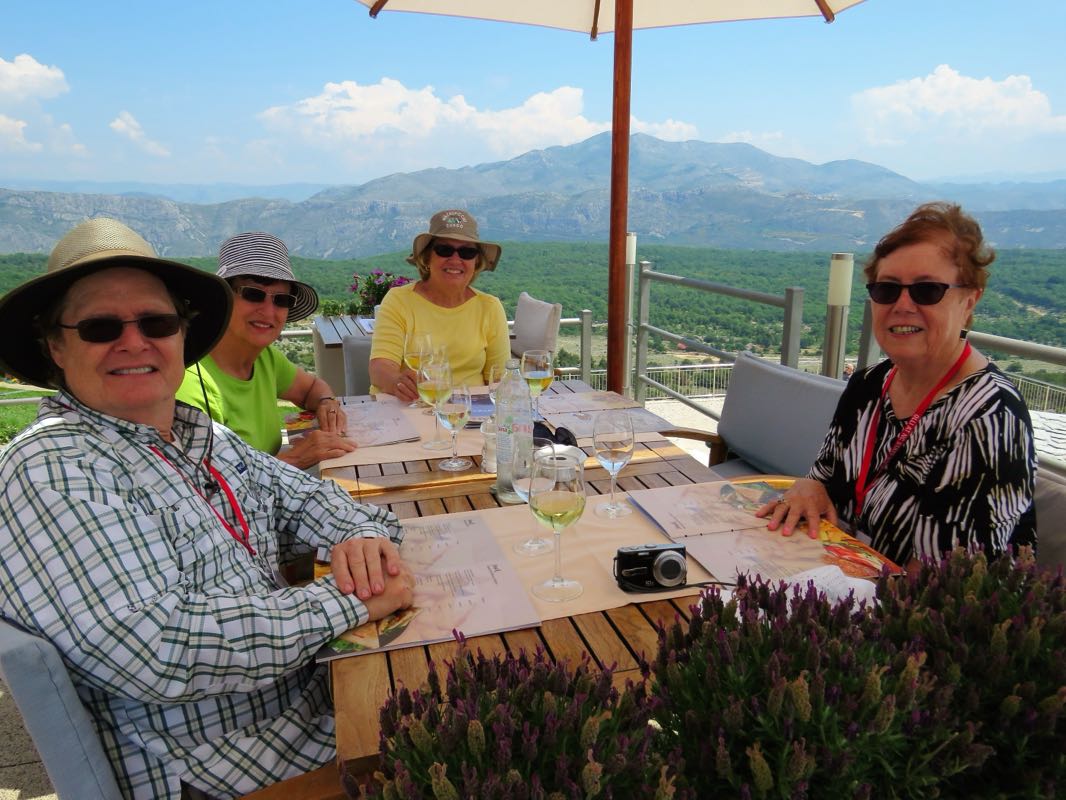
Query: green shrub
519, 727
952, 687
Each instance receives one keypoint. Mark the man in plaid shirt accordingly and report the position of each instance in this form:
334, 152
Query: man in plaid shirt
144, 541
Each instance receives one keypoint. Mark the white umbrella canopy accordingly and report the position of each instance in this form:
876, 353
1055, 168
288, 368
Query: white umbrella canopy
619, 17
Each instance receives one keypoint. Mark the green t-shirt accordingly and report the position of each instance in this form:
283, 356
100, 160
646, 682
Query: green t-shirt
248, 408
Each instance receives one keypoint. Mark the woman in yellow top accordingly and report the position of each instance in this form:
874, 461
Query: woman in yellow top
470, 325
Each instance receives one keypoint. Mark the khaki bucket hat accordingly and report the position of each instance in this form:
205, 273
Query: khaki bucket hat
454, 223
95, 245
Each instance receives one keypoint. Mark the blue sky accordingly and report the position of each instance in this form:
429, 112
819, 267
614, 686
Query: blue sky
265, 92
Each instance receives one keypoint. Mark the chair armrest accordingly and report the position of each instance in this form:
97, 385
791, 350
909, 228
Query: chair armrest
719, 449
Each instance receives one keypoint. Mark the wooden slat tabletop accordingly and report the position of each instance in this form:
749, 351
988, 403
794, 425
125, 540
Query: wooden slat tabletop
617, 637
334, 329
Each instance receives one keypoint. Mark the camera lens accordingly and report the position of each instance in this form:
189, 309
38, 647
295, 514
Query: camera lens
669, 569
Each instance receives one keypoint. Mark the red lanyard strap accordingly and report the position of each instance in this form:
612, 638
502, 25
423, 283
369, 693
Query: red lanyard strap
861, 485
244, 537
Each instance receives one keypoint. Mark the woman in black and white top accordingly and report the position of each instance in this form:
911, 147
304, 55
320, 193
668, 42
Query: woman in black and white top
932, 448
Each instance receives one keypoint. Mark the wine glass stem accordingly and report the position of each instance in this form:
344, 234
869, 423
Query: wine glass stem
455, 445
613, 474
558, 558
436, 427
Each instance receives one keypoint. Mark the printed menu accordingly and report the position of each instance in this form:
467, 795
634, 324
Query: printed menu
463, 583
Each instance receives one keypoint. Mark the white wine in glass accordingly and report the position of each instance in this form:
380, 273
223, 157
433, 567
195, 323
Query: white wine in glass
435, 384
557, 500
416, 348
538, 372
453, 410
524, 455
612, 440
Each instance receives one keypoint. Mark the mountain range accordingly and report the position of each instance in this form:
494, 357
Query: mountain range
690, 193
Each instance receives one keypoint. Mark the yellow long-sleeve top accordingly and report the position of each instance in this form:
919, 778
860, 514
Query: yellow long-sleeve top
474, 334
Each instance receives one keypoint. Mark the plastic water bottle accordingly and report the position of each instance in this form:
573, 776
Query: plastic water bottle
514, 421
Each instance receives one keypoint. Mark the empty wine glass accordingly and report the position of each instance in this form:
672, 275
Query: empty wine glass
525, 451
557, 499
612, 439
453, 412
538, 373
434, 385
416, 347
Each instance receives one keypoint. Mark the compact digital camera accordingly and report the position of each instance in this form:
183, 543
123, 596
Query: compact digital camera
650, 567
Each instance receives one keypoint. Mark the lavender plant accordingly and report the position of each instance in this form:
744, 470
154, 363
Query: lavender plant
776, 693
519, 727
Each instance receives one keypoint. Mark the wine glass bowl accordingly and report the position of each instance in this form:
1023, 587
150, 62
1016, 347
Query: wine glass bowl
557, 500
613, 442
434, 385
453, 411
522, 462
537, 370
492, 381
416, 348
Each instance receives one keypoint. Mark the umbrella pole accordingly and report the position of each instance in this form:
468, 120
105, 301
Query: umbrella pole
617, 336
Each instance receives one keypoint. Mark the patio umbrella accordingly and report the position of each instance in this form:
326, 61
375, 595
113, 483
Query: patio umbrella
619, 17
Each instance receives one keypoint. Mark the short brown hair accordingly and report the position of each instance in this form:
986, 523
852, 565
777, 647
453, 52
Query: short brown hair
929, 223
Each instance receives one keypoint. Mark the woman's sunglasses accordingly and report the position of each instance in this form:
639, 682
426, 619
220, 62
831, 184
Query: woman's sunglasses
924, 293
253, 294
446, 251
106, 329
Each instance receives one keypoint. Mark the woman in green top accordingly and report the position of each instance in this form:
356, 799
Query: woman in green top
240, 381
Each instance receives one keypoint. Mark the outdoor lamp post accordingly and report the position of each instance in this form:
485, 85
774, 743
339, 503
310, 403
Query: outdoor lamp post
841, 268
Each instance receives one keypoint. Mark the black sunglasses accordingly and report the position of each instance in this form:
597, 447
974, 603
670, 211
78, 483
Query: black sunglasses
924, 293
254, 294
466, 252
106, 329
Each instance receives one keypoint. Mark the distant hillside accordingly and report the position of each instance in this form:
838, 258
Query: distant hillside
686, 193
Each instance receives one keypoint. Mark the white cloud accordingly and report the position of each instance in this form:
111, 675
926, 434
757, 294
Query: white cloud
13, 137
126, 125
947, 105
390, 126
26, 78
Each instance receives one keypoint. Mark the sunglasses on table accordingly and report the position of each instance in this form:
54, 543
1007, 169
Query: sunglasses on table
253, 294
924, 293
98, 330
466, 252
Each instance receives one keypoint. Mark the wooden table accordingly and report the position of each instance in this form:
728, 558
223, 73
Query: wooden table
416, 488
334, 329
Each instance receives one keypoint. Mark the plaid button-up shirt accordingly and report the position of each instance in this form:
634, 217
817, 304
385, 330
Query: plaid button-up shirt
194, 662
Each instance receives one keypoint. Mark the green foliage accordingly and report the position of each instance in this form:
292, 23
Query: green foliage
519, 727
954, 686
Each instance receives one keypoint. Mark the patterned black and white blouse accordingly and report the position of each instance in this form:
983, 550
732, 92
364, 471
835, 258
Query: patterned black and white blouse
963, 477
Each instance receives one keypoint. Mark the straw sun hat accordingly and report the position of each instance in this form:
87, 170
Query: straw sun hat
264, 255
96, 245
454, 223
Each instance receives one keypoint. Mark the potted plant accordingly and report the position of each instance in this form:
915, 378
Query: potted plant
952, 686
369, 290
519, 727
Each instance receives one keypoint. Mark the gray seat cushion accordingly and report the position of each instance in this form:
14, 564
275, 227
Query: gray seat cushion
1050, 499
356, 365
776, 417
57, 721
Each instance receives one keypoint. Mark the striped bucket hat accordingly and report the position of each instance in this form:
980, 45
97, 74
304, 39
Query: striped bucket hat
265, 256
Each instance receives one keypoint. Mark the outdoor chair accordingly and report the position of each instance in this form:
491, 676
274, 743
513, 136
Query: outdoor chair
773, 421
536, 325
55, 718
1050, 501
356, 364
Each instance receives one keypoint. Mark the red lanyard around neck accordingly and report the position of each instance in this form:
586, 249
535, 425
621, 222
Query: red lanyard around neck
244, 537
861, 484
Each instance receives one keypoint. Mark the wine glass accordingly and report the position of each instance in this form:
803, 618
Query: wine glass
525, 451
434, 385
453, 412
612, 439
557, 499
538, 373
416, 347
